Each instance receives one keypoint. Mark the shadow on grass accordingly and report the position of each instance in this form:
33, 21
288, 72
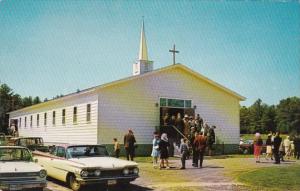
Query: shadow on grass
59, 185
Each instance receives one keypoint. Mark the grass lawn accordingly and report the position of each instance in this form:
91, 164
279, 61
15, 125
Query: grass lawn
263, 136
272, 178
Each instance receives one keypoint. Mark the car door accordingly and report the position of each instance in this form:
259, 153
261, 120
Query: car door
59, 164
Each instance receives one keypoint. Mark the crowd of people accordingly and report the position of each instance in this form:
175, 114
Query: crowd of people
195, 138
276, 147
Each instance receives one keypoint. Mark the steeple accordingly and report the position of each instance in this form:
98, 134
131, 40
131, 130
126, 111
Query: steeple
143, 54
142, 65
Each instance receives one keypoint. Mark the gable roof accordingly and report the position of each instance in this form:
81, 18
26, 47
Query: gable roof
123, 80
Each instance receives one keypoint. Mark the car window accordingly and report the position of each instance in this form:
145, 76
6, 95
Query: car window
60, 152
15, 154
86, 151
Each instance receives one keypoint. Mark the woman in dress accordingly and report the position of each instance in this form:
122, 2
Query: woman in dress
164, 151
155, 149
257, 146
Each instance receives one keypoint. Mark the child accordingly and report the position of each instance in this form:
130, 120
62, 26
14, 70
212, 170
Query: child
184, 150
116, 148
155, 149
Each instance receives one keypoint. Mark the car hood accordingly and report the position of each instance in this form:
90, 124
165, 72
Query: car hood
6, 167
103, 162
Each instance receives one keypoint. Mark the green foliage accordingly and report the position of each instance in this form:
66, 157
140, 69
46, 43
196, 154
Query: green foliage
263, 118
9, 101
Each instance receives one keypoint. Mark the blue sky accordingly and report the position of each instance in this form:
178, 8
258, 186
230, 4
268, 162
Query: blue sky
56, 47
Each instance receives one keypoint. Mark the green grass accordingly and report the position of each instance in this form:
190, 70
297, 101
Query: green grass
272, 178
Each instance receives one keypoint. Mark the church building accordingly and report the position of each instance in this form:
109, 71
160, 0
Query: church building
98, 114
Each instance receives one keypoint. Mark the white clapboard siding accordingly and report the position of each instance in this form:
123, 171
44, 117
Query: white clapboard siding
133, 105
75, 133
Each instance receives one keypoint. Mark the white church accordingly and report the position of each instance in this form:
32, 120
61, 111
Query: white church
97, 115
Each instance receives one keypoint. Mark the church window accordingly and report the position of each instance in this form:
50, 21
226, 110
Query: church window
75, 115
63, 120
30, 120
176, 103
20, 122
38, 120
45, 119
88, 112
25, 122
53, 118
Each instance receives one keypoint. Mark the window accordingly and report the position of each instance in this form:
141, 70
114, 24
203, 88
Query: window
176, 103
45, 119
75, 115
53, 118
88, 112
60, 152
30, 120
25, 122
38, 120
63, 119
20, 122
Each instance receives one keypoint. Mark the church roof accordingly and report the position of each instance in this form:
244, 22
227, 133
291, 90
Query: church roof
180, 66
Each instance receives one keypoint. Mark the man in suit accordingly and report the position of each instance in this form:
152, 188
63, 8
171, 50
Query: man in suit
200, 145
276, 144
129, 141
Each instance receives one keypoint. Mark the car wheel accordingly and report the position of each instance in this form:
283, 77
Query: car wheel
73, 183
246, 151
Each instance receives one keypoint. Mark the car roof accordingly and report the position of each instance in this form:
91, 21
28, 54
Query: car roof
66, 145
13, 147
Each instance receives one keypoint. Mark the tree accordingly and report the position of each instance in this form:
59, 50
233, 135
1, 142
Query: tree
244, 119
36, 100
268, 121
288, 115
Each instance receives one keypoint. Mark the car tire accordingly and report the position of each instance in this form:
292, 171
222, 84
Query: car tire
246, 151
73, 183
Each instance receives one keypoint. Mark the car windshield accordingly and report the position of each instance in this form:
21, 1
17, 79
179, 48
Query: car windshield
86, 151
15, 154
30, 141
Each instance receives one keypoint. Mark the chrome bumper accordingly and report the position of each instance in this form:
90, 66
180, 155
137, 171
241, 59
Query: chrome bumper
101, 180
19, 185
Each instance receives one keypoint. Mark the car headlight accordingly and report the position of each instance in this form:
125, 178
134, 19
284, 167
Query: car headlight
84, 173
126, 171
43, 173
97, 172
135, 170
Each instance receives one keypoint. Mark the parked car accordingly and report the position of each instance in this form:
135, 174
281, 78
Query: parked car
247, 147
18, 170
79, 165
32, 143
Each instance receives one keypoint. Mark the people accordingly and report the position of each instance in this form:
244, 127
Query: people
116, 148
164, 153
192, 139
276, 143
200, 145
184, 150
297, 146
211, 138
287, 147
269, 147
155, 149
257, 146
129, 144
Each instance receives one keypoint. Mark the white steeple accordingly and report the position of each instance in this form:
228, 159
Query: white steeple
142, 65
143, 54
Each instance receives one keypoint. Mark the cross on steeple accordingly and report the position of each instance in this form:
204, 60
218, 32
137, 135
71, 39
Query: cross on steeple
174, 51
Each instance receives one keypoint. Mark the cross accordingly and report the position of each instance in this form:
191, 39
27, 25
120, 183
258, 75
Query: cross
174, 51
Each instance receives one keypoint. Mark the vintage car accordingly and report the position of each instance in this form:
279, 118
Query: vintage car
247, 147
79, 165
32, 143
18, 170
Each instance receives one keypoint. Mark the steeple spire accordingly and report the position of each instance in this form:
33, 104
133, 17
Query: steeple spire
143, 54
142, 65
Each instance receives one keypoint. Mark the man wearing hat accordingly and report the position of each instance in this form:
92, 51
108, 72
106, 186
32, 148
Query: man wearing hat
129, 141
